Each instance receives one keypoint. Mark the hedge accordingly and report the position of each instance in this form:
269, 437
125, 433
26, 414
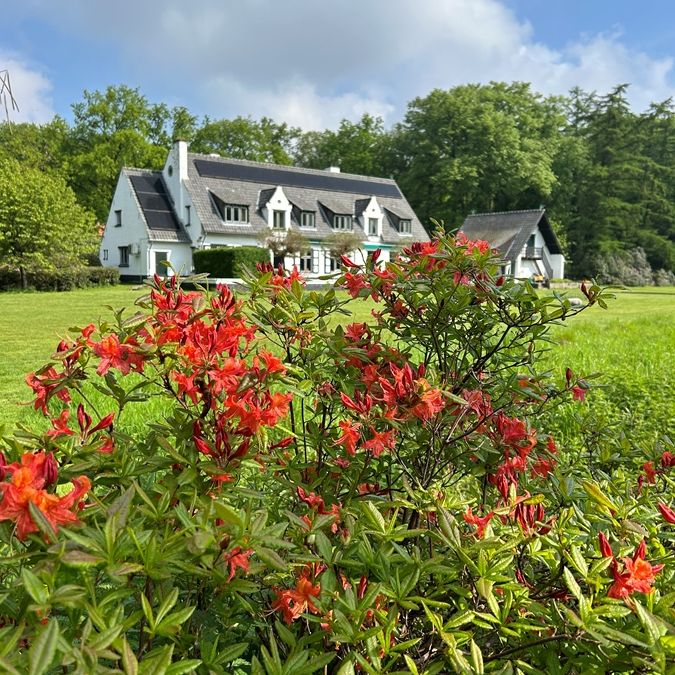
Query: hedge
225, 262
59, 280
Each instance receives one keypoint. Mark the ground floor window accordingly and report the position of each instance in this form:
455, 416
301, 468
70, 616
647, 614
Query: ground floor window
124, 256
105, 254
332, 263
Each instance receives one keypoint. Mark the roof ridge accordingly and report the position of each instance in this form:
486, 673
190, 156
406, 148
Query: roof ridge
502, 213
291, 167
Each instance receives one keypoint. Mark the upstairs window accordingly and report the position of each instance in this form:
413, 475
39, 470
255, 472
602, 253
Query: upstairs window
124, 256
342, 223
234, 213
372, 227
405, 226
278, 220
307, 219
118, 218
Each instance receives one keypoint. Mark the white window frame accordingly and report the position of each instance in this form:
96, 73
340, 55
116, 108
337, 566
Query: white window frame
343, 222
306, 262
235, 213
405, 226
125, 252
331, 263
373, 224
308, 219
278, 220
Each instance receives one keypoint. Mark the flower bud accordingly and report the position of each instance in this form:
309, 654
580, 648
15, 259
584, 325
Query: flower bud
50, 470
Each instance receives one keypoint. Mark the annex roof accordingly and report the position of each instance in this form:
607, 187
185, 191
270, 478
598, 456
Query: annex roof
508, 231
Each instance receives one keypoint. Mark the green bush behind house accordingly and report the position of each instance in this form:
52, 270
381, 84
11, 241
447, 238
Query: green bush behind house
226, 262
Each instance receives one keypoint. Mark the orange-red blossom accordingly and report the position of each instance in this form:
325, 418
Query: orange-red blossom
27, 486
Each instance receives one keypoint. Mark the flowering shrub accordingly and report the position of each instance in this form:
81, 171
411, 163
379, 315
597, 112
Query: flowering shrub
322, 495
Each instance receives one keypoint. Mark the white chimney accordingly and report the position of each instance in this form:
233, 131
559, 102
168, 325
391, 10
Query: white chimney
182, 159
332, 169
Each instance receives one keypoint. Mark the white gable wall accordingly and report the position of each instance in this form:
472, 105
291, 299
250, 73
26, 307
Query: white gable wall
525, 269
131, 233
373, 210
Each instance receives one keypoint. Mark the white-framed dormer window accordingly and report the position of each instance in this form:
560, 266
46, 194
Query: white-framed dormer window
373, 227
405, 226
235, 213
278, 220
341, 222
307, 219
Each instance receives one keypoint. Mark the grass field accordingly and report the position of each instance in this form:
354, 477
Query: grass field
632, 344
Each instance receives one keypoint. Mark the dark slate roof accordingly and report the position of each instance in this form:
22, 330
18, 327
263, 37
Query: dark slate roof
508, 231
252, 183
154, 205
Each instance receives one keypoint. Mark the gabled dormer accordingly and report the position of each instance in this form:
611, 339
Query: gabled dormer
276, 209
371, 216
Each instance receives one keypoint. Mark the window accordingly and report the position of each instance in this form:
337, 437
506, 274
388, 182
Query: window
372, 227
307, 219
161, 268
278, 220
405, 226
235, 214
124, 256
118, 218
187, 214
105, 254
342, 222
306, 260
332, 263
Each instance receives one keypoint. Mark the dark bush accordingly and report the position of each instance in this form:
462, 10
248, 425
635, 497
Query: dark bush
226, 262
65, 279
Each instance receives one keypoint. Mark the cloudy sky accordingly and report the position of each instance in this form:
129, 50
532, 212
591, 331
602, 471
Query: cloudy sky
313, 62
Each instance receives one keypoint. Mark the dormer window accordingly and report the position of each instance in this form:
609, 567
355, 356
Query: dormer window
235, 213
342, 222
307, 219
278, 220
405, 226
373, 227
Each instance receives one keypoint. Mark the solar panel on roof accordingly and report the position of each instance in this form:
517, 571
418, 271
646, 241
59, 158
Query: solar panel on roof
154, 202
276, 176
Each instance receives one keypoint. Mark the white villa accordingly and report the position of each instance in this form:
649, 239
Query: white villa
200, 201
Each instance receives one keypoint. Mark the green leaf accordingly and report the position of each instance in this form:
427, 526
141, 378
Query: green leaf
35, 588
80, 559
167, 605
7, 668
42, 523
129, 661
271, 558
119, 509
374, 516
42, 652
180, 667
598, 496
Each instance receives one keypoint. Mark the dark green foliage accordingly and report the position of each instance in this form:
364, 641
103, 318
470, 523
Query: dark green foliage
224, 262
65, 279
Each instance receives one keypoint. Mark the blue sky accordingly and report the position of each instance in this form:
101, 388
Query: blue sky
314, 62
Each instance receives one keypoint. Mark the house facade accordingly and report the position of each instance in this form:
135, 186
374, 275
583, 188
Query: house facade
200, 201
525, 240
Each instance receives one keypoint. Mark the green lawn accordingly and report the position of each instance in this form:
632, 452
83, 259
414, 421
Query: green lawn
632, 344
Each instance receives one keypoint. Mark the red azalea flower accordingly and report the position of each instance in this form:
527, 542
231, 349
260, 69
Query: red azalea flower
667, 513
605, 547
238, 558
638, 575
650, 472
479, 523
292, 603
578, 393
60, 426
380, 441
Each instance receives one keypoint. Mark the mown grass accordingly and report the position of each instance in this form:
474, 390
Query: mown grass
632, 344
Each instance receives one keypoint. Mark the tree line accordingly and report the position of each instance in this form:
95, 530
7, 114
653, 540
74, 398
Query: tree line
604, 172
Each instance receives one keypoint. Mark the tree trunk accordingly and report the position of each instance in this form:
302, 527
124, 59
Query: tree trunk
24, 277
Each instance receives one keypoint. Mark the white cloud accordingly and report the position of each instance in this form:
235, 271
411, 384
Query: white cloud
31, 90
311, 63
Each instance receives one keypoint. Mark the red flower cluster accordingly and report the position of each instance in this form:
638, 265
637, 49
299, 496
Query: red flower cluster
634, 574
292, 603
36, 472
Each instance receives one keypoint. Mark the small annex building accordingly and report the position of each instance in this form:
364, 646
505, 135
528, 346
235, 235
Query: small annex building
525, 240
200, 201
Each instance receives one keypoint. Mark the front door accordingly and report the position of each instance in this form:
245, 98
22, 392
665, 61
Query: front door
161, 258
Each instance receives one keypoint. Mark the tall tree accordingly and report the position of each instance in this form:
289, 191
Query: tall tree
41, 146
41, 223
356, 147
477, 148
245, 138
